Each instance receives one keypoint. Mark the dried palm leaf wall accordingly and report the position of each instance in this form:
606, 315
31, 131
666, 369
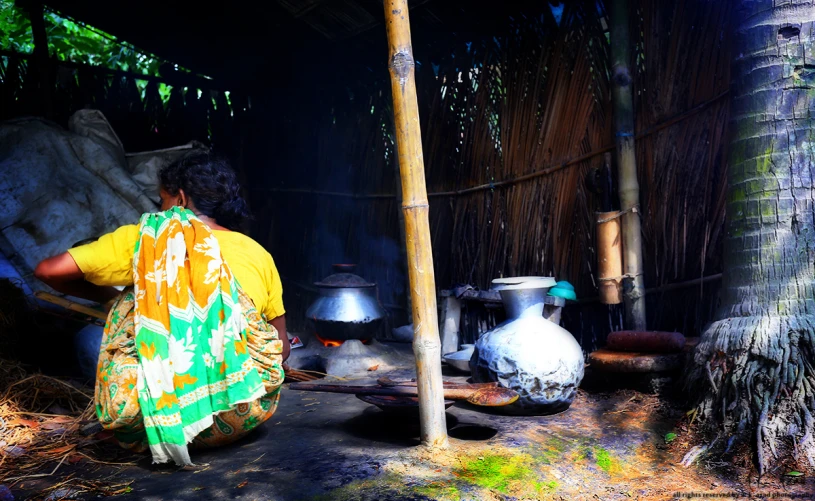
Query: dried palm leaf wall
142, 120
512, 125
511, 128
682, 82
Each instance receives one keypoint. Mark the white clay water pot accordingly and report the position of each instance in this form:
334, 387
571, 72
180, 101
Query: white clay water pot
527, 353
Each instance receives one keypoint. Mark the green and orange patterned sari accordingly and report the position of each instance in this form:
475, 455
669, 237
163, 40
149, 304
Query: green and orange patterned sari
185, 356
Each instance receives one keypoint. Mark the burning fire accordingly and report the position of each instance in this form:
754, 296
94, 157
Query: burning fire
330, 343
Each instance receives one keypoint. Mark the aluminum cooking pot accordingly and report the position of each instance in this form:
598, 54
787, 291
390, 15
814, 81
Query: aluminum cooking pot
348, 307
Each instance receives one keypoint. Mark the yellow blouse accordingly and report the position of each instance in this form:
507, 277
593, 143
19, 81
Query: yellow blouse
109, 262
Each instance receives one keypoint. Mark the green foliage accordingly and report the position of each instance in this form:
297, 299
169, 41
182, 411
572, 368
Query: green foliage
71, 41
15, 28
75, 42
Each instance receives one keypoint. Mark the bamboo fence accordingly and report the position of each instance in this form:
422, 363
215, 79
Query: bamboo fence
196, 110
512, 127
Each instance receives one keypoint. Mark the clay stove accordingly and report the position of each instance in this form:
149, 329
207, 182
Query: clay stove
343, 322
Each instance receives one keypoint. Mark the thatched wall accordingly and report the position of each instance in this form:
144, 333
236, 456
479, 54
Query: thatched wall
512, 126
195, 110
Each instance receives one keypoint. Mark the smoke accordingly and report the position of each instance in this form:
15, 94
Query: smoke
344, 236
383, 263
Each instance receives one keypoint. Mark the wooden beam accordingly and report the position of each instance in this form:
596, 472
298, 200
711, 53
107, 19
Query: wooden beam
71, 305
629, 188
426, 342
175, 79
46, 82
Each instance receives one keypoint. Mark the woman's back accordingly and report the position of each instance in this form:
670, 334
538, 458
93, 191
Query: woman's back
167, 367
109, 262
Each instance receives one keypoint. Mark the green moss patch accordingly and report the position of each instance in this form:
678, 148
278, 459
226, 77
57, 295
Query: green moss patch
516, 474
606, 461
502, 473
442, 491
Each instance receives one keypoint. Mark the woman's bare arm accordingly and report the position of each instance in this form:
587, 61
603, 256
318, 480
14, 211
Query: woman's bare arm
279, 323
61, 273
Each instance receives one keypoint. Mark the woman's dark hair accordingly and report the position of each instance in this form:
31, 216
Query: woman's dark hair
211, 185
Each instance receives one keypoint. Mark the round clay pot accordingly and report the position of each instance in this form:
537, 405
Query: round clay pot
529, 354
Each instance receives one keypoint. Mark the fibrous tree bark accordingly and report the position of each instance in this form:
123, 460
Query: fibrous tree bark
755, 366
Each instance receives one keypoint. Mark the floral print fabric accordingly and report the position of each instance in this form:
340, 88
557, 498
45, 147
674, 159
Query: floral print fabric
193, 353
117, 402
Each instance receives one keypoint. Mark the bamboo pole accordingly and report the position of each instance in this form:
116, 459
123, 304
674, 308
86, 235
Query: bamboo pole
629, 188
426, 342
609, 257
36, 15
70, 305
403, 258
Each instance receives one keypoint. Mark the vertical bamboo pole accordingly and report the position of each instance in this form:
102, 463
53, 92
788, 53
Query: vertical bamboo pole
629, 188
426, 343
403, 259
36, 15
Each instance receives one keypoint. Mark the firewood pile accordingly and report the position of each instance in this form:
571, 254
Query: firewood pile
47, 424
300, 376
48, 428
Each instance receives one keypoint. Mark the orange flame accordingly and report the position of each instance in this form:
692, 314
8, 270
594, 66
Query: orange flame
331, 343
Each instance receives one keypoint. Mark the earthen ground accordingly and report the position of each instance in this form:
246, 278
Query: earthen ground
319, 446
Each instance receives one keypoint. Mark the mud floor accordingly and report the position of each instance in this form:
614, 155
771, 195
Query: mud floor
335, 447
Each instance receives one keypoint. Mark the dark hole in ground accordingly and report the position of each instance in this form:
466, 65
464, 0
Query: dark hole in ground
389, 427
447, 370
472, 432
788, 32
511, 410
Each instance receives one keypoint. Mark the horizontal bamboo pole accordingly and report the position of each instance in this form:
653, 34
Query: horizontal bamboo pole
177, 79
70, 305
508, 182
665, 287
488, 296
426, 342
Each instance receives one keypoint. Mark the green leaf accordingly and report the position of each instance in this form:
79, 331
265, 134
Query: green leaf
794, 474
71, 41
87, 45
670, 437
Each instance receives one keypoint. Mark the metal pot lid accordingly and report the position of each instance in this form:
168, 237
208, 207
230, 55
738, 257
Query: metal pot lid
344, 280
515, 283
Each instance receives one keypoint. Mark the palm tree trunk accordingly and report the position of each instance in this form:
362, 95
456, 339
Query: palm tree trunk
754, 365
